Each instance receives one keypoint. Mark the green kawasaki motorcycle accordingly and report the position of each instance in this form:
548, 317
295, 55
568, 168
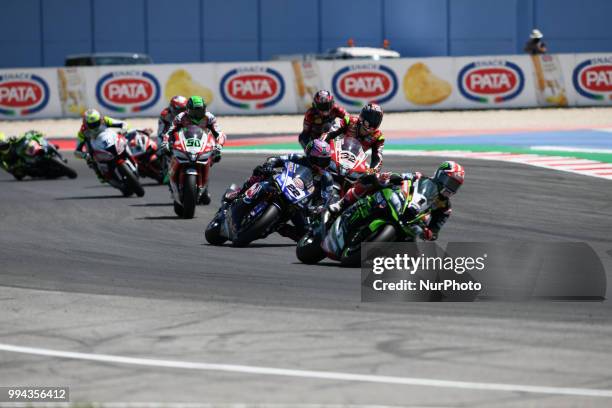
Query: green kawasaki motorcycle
38, 158
395, 213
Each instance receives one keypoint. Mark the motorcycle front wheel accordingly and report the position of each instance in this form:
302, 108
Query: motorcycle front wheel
213, 232
256, 229
190, 195
131, 180
308, 249
62, 168
351, 256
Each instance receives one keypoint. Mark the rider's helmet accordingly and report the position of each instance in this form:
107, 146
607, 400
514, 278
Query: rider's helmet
92, 118
323, 101
32, 133
536, 34
178, 104
319, 154
449, 177
196, 109
370, 117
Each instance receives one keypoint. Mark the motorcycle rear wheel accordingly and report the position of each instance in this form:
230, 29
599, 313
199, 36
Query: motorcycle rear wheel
178, 209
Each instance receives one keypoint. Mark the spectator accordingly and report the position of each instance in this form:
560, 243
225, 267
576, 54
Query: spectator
535, 45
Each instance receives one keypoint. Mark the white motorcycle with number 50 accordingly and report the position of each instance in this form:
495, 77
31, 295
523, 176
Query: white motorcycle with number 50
192, 157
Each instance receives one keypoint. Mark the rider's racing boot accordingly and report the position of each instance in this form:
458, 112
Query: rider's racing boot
205, 198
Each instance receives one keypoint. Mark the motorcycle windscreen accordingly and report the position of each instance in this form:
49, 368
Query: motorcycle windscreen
352, 156
296, 182
194, 139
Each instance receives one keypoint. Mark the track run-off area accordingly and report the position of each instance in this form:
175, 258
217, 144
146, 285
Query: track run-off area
122, 301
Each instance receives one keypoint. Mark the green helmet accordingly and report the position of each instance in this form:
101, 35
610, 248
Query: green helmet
33, 133
196, 108
92, 118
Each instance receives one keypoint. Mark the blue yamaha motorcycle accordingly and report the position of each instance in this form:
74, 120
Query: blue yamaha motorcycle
263, 207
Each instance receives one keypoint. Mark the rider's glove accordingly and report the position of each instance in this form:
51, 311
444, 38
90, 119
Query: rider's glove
428, 235
164, 148
263, 170
217, 153
337, 207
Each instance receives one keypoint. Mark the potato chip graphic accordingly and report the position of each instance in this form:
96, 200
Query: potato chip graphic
181, 83
421, 87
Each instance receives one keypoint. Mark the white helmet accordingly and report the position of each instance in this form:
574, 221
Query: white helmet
536, 34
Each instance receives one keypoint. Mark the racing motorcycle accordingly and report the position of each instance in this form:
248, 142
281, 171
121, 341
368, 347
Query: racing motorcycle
40, 159
263, 207
192, 153
112, 156
348, 163
144, 152
389, 215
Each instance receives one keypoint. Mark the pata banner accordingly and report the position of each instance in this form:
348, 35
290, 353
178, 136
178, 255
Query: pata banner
251, 88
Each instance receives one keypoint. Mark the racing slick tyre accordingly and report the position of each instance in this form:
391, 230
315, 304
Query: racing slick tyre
308, 249
190, 196
257, 227
213, 233
63, 168
131, 180
351, 256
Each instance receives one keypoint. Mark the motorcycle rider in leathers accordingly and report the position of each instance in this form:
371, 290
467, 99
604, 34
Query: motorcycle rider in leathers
93, 124
364, 128
317, 157
177, 105
12, 149
320, 117
448, 179
196, 114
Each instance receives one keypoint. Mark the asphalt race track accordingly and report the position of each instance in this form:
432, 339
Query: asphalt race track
85, 270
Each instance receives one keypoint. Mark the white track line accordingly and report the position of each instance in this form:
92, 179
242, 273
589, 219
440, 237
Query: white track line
571, 149
322, 375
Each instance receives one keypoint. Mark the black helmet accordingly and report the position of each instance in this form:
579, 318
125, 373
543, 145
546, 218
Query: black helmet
196, 108
323, 101
371, 116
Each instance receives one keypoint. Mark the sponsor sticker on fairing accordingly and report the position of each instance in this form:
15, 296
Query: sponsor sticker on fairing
252, 87
22, 94
592, 78
356, 85
127, 91
492, 81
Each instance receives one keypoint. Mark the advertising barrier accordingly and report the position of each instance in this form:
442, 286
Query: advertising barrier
251, 88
